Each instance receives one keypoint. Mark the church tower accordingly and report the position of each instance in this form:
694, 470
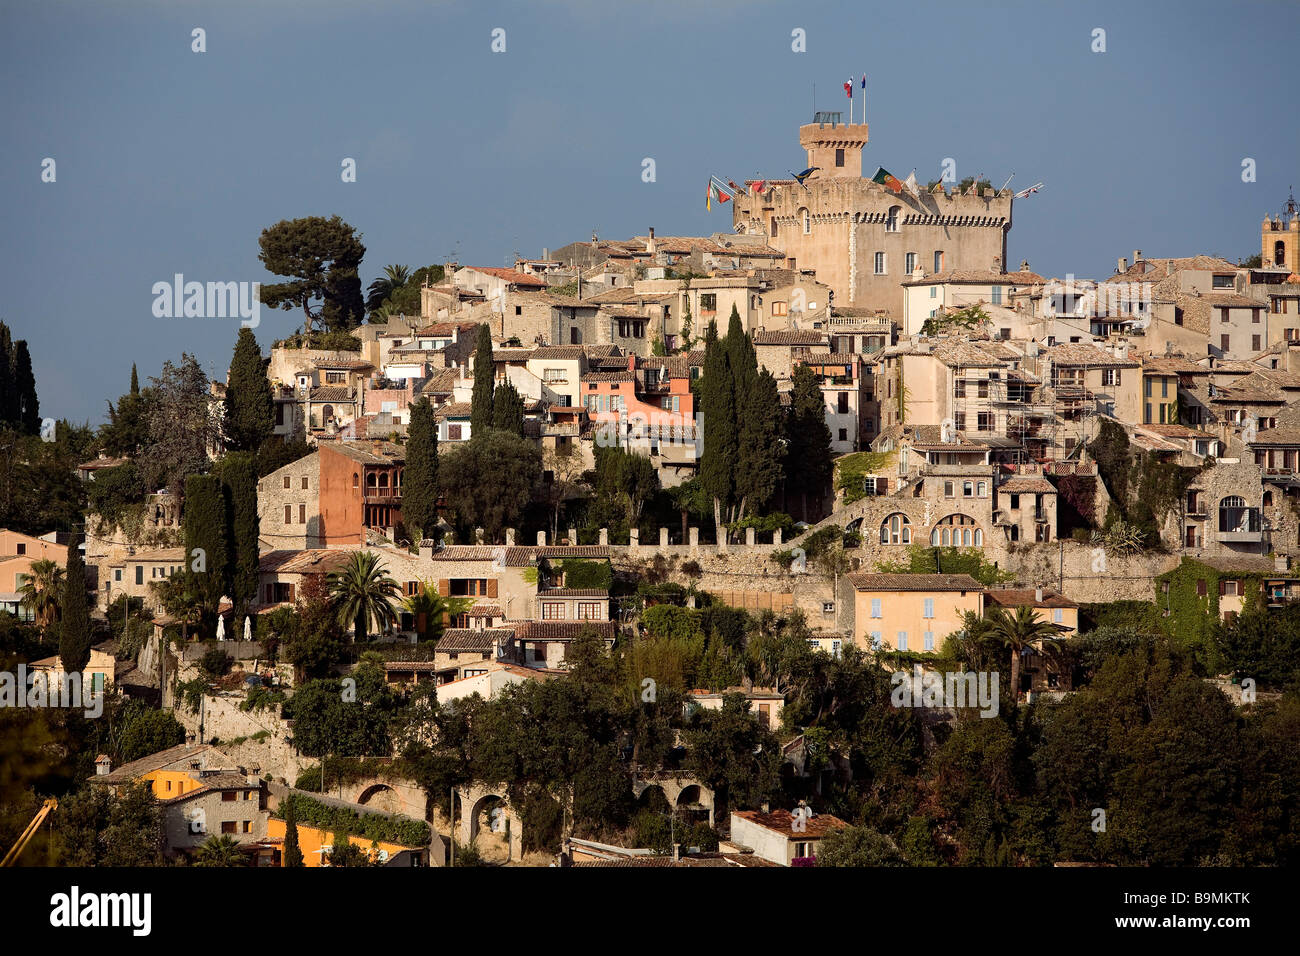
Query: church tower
1280, 240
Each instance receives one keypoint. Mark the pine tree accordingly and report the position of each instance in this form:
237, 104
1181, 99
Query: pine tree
28, 405
74, 642
508, 410
128, 425
420, 478
717, 406
808, 449
250, 408
292, 855
205, 531
239, 486
484, 376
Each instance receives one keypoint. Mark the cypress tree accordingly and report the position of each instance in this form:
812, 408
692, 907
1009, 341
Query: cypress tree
484, 375
250, 408
717, 406
74, 641
8, 392
808, 449
205, 530
420, 477
28, 412
508, 410
239, 486
292, 855
760, 453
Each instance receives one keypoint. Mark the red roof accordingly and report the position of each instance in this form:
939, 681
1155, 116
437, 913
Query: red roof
511, 276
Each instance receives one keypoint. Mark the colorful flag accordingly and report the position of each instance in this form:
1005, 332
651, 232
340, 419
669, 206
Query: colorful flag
864, 81
1028, 192
757, 187
848, 88
734, 187
887, 179
708, 198
722, 197
800, 177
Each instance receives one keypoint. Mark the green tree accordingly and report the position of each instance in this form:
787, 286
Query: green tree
182, 428
420, 479
146, 731
858, 847
508, 410
75, 634
429, 608
394, 278
127, 428
41, 591
315, 637
720, 442
206, 546
1018, 632
808, 465
321, 258
489, 480
760, 452
292, 854
733, 754
250, 408
27, 411
238, 472
363, 592
219, 851
482, 407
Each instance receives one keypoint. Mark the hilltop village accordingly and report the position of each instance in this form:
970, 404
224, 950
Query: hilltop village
621, 555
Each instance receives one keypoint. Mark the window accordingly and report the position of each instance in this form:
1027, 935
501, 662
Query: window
928, 610
780, 308
139, 574
959, 388
844, 434
247, 826
896, 529
981, 490
948, 489
839, 157
891, 219
553, 611
227, 826
875, 607
968, 489
995, 297
1223, 343
876, 640
807, 221
288, 514
902, 640
708, 302
910, 260
286, 482
228, 796
1235, 516
985, 421
1110, 376
934, 293
1254, 343
1222, 282
1058, 616
880, 263
589, 611
302, 514
938, 260
929, 640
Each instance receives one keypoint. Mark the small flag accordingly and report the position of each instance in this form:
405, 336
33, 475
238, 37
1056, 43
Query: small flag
708, 198
910, 184
864, 81
722, 197
734, 187
887, 179
800, 177
1029, 192
848, 88
757, 187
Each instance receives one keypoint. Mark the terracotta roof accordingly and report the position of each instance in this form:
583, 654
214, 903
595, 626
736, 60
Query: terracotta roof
791, 337
1177, 431
625, 376
561, 630
310, 561
454, 410
958, 276
332, 393
369, 452
867, 581
350, 364
511, 276
1027, 484
558, 352
573, 593
440, 329
1021, 597
458, 639
441, 384
486, 610
782, 821
1083, 353
160, 554
1277, 436
137, 768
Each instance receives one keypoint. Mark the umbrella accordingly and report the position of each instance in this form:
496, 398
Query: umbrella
248, 628
221, 628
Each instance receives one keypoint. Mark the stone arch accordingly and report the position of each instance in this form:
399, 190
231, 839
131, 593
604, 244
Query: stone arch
382, 797
896, 529
653, 797
957, 531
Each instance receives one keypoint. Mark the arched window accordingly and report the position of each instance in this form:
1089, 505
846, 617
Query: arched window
896, 529
891, 220
356, 480
1234, 515
1279, 253
327, 413
957, 531
806, 217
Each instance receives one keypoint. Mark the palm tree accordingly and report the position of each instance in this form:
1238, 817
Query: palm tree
219, 851
429, 608
394, 278
1016, 632
362, 591
40, 591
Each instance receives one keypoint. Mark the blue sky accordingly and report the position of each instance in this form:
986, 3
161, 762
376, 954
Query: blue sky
173, 161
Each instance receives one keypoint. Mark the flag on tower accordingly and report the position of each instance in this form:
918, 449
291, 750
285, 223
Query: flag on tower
848, 88
910, 184
887, 179
1029, 192
758, 186
800, 177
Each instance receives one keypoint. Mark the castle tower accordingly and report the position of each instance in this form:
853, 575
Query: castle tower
862, 238
1280, 240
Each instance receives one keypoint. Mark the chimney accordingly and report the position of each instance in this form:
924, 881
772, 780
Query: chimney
677, 852
103, 765
546, 254
631, 361
650, 242
1024, 265
1038, 595
1137, 254
1121, 265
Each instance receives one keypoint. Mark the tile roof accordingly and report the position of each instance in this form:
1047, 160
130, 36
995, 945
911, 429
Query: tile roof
332, 393
1084, 353
782, 821
1027, 484
1019, 597
157, 761
440, 329
1277, 436
561, 630
867, 581
573, 593
625, 376
791, 337
511, 276
309, 561
442, 383
958, 276
458, 639
454, 410
1177, 431
559, 353
366, 452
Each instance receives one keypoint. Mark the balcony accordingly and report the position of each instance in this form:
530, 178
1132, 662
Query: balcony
383, 496
561, 429
1240, 526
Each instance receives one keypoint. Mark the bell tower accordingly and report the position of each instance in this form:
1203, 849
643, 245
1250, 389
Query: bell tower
833, 146
1280, 239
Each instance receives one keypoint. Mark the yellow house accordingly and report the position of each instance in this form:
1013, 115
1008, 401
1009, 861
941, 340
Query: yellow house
17, 552
98, 673
911, 612
316, 845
